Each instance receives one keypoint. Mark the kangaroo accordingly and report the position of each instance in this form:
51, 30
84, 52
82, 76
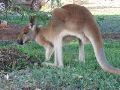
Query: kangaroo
71, 20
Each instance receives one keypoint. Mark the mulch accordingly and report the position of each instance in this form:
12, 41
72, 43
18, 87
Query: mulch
11, 58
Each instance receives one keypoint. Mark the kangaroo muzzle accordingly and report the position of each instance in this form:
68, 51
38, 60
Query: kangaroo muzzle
20, 42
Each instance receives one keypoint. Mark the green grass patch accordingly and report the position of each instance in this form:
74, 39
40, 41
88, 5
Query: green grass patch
74, 75
23, 19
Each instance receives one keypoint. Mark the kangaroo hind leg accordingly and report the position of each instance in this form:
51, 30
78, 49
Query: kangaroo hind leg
81, 52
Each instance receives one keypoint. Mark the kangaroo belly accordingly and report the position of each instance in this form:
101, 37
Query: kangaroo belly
80, 36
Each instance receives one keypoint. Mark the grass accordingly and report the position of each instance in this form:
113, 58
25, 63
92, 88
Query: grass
75, 75
41, 18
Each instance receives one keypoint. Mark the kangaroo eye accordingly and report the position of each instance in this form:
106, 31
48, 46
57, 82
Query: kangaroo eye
26, 31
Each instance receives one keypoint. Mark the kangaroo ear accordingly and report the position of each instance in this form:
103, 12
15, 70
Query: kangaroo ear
32, 20
33, 28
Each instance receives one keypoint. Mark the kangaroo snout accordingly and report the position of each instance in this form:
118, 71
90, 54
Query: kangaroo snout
20, 42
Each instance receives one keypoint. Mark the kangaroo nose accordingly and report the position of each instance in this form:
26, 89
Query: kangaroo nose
20, 42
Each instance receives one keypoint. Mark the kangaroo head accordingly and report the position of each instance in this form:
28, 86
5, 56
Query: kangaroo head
27, 32
25, 35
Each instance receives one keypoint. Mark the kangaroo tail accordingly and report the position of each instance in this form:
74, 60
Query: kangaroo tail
95, 38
